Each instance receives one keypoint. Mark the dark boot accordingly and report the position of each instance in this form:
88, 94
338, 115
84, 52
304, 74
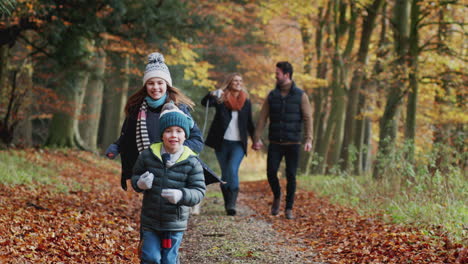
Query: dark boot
225, 196
275, 206
231, 206
229, 201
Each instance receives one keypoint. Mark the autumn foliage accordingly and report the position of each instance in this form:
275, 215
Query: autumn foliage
94, 222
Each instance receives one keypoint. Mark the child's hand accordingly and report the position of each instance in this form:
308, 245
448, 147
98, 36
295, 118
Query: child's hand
146, 181
172, 195
112, 151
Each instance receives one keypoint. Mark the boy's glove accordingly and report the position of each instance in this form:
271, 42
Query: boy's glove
172, 195
146, 181
112, 151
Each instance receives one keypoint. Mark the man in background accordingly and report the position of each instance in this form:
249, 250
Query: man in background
288, 109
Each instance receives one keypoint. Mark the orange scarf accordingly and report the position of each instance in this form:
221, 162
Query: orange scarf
235, 103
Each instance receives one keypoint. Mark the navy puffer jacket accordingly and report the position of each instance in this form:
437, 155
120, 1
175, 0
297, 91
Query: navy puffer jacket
186, 174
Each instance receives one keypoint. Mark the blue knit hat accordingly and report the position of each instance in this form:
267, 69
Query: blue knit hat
171, 115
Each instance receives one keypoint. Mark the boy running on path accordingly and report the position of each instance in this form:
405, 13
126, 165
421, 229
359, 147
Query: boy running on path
171, 179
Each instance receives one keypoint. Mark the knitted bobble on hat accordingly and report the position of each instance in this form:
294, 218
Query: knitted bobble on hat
155, 57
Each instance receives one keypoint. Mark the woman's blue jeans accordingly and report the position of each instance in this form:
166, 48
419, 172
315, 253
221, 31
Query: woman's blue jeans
152, 251
230, 157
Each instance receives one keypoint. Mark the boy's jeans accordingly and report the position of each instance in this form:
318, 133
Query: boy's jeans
152, 251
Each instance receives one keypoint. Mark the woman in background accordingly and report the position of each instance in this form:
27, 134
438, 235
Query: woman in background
228, 133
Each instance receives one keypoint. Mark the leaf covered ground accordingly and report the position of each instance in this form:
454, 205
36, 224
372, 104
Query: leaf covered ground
89, 219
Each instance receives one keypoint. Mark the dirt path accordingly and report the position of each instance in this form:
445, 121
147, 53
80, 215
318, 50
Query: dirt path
321, 233
213, 237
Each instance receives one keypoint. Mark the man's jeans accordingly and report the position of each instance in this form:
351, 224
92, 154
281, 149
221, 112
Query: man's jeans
230, 157
275, 155
152, 251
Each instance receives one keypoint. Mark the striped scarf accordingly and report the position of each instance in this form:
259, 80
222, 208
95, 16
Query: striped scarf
142, 137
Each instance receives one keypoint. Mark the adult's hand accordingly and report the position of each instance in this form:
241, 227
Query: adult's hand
257, 145
217, 93
308, 146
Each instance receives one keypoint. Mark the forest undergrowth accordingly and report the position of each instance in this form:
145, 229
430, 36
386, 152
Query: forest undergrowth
432, 194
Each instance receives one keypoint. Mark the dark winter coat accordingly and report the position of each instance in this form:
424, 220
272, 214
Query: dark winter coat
186, 174
285, 115
221, 121
127, 140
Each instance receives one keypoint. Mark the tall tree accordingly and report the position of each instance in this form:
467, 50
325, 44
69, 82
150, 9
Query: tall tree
413, 57
116, 93
92, 104
320, 94
335, 123
356, 87
397, 90
373, 86
70, 89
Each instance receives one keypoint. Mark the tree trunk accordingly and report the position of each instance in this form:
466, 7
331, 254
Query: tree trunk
387, 134
4, 72
79, 103
337, 94
356, 84
363, 138
441, 131
123, 94
93, 102
343, 79
411, 108
72, 56
366, 153
23, 132
63, 124
4, 64
306, 37
338, 103
114, 103
320, 96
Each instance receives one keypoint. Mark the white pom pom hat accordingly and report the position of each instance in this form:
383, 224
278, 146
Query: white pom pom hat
157, 68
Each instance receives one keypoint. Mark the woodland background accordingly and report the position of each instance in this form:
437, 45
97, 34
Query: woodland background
386, 79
